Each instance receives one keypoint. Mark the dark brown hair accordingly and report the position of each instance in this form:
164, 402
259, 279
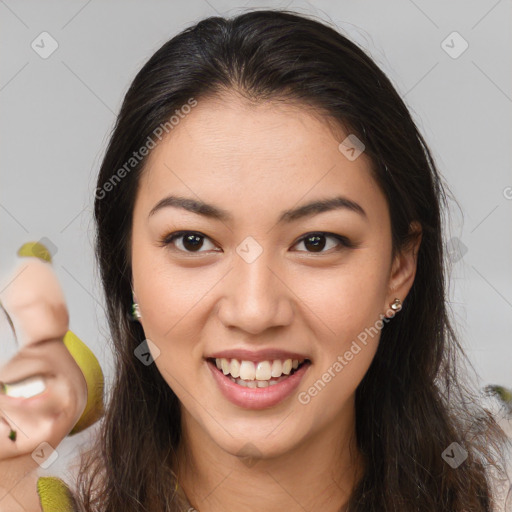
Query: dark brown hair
412, 403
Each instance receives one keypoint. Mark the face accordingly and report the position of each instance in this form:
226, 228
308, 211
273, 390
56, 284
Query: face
257, 285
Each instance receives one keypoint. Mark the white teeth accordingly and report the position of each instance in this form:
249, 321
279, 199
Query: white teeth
257, 383
247, 370
277, 368
287, 367
262, 371
235, 368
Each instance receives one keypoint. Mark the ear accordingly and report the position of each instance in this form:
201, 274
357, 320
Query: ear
403, 268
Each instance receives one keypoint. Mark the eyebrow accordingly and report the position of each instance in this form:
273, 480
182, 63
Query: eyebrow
208, 210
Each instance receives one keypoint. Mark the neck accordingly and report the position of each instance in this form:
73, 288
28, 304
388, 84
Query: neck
18, 485
319, 474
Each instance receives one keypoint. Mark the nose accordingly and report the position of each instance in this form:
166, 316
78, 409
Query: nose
255, 297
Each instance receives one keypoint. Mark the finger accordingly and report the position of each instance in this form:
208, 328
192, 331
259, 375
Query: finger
34, 299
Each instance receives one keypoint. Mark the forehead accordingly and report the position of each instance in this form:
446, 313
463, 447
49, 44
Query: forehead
243, 156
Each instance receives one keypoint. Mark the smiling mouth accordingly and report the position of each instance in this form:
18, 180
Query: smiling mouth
260, 374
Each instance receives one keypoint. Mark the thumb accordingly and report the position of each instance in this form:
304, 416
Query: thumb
33, 297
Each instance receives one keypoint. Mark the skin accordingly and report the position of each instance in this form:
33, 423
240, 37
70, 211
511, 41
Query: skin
36, 305
255, 162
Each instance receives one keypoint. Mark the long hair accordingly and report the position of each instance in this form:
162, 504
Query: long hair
412, 404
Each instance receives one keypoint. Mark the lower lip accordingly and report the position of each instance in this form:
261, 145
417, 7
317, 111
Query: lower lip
257, 398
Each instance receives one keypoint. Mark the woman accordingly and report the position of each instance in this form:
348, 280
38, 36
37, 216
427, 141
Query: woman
269, 206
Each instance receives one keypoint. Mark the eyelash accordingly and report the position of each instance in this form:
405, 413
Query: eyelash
343, 241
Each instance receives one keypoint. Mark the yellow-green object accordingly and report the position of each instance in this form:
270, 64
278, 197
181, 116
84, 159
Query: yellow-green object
36, 250
83, 356
91, 370
504, 394
54, 495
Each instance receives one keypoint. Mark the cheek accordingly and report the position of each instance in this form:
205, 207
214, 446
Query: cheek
345, 299
164, 292
169, 299
347, 303
348, 308
170, 304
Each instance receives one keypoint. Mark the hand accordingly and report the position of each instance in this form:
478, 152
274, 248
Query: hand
44, 391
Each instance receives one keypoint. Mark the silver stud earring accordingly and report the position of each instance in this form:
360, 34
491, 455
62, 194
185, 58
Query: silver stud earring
396, 305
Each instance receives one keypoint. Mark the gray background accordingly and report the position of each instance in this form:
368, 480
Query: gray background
57, 113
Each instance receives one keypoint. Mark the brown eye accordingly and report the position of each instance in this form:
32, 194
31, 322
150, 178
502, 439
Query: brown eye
316, 242
192, 242
187, 241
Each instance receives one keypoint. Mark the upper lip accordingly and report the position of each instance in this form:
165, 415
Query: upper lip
268, 354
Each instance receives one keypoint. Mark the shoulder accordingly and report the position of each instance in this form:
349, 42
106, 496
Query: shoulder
54, 495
